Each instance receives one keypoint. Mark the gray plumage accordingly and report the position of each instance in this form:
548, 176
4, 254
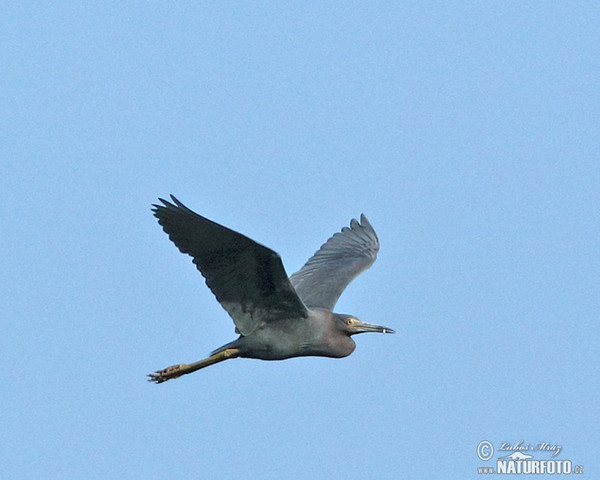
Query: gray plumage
277, 317
321, 281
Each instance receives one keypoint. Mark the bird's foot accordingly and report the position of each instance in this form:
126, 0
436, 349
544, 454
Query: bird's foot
183, 368
166, 374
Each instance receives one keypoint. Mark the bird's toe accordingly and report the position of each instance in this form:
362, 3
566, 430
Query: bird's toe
168, 373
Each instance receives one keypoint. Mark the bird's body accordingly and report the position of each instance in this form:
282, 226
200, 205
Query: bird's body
314, 335
277, 317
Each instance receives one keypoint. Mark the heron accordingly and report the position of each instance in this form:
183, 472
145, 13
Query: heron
276, 316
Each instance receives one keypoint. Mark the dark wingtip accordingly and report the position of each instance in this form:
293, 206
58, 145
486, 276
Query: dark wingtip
364, 221
177, 202
165, 203
167, 206
156, 208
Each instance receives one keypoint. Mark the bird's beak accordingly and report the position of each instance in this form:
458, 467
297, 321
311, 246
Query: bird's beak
368, 327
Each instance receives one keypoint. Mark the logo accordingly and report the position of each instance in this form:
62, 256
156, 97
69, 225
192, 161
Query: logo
525, 459
485, 450
517, 456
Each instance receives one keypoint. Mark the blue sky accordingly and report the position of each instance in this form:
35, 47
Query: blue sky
467, 132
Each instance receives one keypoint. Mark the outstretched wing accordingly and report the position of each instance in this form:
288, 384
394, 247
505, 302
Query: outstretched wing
321, 281
247, 278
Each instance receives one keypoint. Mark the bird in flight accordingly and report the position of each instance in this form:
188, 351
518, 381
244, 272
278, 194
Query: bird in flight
276, 317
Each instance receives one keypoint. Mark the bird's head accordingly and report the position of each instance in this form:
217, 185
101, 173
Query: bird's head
352, 325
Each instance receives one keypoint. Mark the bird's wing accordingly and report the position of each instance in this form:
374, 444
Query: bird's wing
321, 281
247, 278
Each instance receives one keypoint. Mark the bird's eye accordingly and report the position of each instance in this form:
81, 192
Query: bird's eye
350, 322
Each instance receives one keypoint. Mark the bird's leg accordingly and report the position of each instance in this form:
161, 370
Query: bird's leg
184, 368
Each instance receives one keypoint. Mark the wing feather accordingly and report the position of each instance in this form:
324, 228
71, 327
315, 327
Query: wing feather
247, 278
321, 281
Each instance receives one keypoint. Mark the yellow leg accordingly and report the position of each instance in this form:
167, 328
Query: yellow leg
184, 368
